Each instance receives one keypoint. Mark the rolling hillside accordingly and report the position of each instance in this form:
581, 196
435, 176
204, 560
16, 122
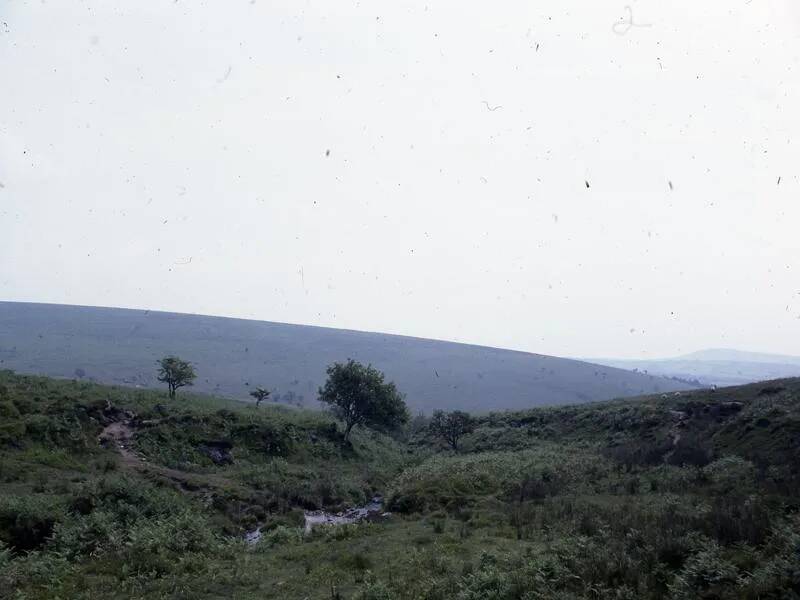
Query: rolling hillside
116, 492
121, 346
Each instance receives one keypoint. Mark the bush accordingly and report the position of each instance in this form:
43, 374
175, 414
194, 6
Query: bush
735, 518
707, 574
8, 410
127, 498
372, 589
88, 535
5, 555
729, 473
36, 568
12, 433
27, 522
280, 536
778, 575
155, 544
690, 451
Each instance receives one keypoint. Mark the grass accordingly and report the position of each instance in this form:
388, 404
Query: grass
687, 496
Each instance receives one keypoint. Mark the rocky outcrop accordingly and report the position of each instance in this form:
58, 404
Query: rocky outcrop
219, 451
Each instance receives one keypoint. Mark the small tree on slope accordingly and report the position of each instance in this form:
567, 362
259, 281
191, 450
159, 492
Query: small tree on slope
358, 395
176, 373
451, 427
260, 394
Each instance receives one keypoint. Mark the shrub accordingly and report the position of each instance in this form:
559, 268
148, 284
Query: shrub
778, 574
690, 451
154, 544
729, 473
8, 410
88, 535
706, 574
36, 568
5, 555
127, 498
280, 536
12, 433
27, 522
735, 518
373, 589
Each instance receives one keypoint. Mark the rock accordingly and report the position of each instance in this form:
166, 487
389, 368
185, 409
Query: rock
253, 537
219, 451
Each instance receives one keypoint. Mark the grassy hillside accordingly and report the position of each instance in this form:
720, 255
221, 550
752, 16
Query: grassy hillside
232, 356
692, 495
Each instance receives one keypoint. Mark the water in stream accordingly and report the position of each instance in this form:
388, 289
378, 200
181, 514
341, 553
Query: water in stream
370, 510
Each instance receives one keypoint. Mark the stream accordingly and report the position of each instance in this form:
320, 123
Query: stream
370, 510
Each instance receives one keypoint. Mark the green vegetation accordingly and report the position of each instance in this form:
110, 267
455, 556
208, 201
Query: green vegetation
176, 373
118, 492
451, 427
358, 395
260, 394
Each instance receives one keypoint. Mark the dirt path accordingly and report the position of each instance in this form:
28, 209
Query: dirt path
119, 435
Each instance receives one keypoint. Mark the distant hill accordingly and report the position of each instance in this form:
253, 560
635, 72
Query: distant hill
121, 346
729, 355
717, 366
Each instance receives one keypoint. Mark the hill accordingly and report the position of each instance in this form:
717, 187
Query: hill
119, 346
719, 367
730, 355
113, 491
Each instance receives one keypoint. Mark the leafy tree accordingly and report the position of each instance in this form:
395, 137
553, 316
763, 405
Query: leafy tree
358, 395
175, 373
260, 394
451, 427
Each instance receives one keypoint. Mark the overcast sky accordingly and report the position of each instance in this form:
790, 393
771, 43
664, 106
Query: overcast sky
413, 167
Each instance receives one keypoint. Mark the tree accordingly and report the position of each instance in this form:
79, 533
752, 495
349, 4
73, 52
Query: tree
358, 395
260, 394
451, 427
175, 373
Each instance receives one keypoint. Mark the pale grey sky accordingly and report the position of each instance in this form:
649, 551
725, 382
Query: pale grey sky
174, 155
